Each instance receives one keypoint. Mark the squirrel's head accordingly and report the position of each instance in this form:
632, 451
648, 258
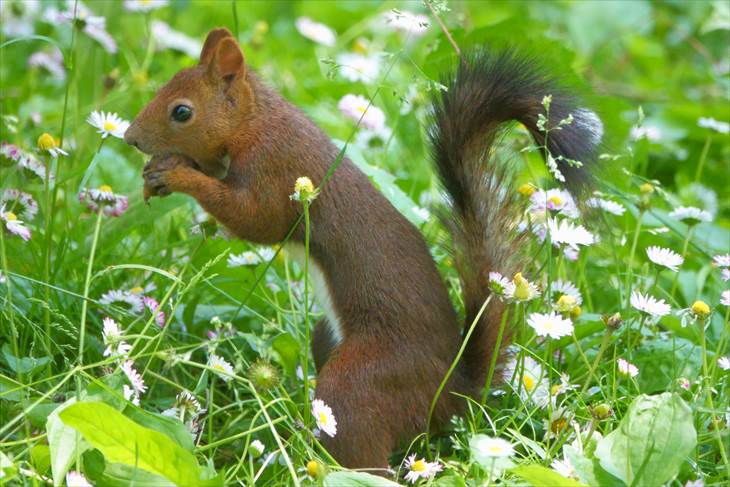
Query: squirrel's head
199, 109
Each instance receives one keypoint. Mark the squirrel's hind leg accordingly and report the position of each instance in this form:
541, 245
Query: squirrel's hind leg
365, 415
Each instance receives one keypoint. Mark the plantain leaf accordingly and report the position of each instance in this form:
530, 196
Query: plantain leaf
539, 476
356, 479
121, 440
652, 441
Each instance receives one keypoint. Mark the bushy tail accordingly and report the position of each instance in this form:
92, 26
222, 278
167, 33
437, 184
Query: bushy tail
486, 91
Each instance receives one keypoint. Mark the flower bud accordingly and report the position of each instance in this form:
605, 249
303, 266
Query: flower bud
256, 449
264, 375
602, 411
646, 188
315, 469
526, 189
700, 309
613, 321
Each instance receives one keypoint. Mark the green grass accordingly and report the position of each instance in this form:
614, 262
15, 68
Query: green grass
658, 66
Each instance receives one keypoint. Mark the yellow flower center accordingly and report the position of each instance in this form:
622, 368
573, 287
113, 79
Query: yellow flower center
322, 418
566, 303
136, 290
219, 367
529, 383
555, 390
701, 309
418, 466
494, 449
105, 188
558, 425
361, 108
360, 46
646, 188
10, 216
526, 189
46, 142
555, 200
109, 126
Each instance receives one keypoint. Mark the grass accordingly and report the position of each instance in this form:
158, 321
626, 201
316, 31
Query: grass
652, 69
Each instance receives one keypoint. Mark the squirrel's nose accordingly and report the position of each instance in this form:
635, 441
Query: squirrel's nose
129, 138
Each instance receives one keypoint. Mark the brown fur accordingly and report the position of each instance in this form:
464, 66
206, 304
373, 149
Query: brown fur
400, 331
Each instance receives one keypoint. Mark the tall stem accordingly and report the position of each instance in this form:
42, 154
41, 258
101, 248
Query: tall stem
87, 285
634, 243
684, 255
305, 361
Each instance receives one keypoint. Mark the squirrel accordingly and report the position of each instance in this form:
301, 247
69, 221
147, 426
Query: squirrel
390, 332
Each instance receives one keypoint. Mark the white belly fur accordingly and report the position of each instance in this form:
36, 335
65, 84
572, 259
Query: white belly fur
322, 294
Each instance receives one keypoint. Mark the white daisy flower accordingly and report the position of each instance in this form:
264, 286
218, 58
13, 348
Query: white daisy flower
724, 363
108, 124
564, 468
521, 290
725, 298
648, 132
134, 378
154, 307
721, 260
32, 166
51, 62
373, 139
557, 423
243, 259
606, 205
266, 253
144, 5
485, 447
564, 232
314, 31
11, 151
112, 336
13, 225
77, 479
92, 25
716, 125
256, 448
665, 257
420, 469
725, 275
105, 198
499, 284
407, 22
529, 379
123, 299
223, 369
324, 418
304, 190
19, 17
627, 368
20, 203
166, 37
649, 305
130, 394
552, 325
554, 200
357, 107
691, 215
186, 402
356, 67
567, 288
46, 142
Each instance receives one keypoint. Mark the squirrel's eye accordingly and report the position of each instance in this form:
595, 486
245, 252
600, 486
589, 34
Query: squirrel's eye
182, 113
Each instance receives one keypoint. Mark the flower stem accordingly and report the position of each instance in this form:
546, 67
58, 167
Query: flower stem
634, 243
87, 285
305, 361
604, 344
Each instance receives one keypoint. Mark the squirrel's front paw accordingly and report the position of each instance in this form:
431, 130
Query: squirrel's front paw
159, 174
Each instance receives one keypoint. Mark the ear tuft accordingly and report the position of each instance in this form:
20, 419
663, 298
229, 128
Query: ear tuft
211, 43
228, 59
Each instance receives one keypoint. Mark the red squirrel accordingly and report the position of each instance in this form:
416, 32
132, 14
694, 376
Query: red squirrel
390, 332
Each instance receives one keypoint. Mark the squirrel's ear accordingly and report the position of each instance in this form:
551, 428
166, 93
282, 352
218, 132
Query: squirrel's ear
227, 62
211, 43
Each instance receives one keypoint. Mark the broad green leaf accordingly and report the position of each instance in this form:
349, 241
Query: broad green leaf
24, 365
100, 472
64, 443
651, 442
10, 390
589, 470
41, 456
356, 479
172, 427
121, 440
539, 476
40, 412
449, 480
